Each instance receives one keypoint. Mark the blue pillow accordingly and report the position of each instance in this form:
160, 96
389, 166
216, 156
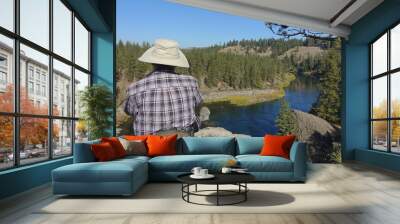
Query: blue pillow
208, 145
249, 145
83, 152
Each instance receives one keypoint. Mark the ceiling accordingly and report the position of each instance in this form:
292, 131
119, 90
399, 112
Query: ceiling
329, 16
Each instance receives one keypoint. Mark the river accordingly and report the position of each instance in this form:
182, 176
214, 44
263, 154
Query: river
259, 119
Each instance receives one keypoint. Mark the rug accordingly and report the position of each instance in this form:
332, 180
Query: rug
166, 198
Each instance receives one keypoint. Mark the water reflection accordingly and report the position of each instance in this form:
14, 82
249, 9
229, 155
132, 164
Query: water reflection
259, 119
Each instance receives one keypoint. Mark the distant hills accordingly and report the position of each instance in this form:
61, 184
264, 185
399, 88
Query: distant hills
300, 53
241, 50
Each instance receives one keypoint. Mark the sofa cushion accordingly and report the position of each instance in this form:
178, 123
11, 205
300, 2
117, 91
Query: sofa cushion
161, 145
249, 145
133, 158
135, 137
257, 163
134, 147
185, 163
275, 145
207, 145
116, 145
103, 152
112, 171
83, 152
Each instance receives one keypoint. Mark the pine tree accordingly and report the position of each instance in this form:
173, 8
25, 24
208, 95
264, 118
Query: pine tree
286, 120
328, 104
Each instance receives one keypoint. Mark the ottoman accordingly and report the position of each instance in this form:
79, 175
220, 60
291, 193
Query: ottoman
119, 177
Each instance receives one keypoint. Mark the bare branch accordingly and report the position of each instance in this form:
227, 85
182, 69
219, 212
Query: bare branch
287, 32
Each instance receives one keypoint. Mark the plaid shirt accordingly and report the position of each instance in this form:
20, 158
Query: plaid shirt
163, 101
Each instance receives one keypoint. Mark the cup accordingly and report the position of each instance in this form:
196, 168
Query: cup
196, 171
203, 172
226, 170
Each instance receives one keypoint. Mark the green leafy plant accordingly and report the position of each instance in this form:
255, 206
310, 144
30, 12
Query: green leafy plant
336, 155
97, 103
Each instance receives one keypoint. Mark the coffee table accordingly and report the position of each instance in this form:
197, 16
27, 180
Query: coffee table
238, 179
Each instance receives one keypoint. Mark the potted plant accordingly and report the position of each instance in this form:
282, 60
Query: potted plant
96, 102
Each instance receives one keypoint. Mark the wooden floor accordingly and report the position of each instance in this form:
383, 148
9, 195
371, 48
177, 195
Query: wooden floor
379, 189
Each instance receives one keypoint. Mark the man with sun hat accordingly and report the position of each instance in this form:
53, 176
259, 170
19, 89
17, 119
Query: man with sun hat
164, 101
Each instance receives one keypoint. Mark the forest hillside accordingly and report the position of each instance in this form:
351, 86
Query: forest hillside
236, 65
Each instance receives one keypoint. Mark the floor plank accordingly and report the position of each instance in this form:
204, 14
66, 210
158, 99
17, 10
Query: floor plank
378, 189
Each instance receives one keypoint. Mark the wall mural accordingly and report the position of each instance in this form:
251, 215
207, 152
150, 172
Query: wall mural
248, 87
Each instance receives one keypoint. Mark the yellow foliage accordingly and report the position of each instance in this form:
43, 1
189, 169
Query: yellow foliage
380, 127
81, 126
380, 111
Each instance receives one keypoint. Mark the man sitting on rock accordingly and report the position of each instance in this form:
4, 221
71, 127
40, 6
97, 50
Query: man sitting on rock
164, 102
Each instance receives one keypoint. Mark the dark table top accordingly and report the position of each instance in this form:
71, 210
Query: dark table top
220, 178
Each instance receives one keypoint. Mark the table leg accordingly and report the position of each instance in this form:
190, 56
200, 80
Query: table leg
245, 193
182, 188
217, 194
195, 188
188, 189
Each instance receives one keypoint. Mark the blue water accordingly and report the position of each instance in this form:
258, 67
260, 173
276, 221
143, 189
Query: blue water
259, 119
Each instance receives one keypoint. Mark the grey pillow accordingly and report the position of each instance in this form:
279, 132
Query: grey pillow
137, 148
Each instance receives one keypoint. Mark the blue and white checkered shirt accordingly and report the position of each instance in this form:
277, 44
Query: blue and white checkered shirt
163, 101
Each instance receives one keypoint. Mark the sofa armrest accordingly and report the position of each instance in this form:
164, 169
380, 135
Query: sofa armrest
298, 155
83, 152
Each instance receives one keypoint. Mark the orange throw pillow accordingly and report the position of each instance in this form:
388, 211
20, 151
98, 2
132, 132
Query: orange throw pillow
277, 145
116, 145
161, 145
103, 152
135, 137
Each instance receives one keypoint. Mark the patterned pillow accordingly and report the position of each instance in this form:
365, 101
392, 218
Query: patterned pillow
134, 147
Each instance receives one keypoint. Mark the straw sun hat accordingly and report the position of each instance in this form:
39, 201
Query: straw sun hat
165, 52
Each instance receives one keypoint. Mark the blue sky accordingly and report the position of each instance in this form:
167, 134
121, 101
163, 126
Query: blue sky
147, 20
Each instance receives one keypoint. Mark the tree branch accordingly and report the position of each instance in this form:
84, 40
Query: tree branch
287, 32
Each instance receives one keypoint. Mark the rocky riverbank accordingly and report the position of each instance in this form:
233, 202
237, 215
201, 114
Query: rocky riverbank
217, 132
243, 97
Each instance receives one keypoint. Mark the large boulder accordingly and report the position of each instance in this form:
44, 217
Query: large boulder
204, 114
322, 138
216, 132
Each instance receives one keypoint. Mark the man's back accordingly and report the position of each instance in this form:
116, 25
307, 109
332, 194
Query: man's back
163, 101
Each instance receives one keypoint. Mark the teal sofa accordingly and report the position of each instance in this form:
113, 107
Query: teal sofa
125, 176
